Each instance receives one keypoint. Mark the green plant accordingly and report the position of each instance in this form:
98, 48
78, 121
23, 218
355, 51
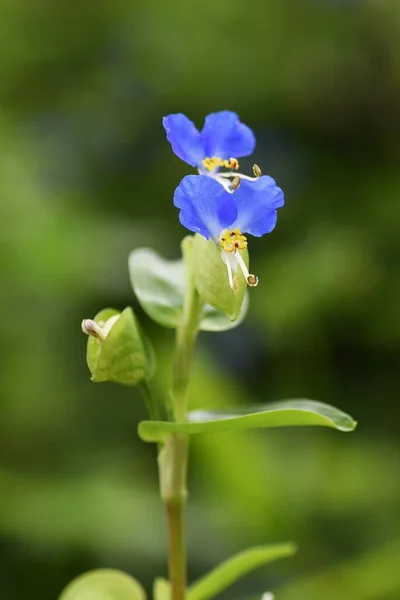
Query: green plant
204, 291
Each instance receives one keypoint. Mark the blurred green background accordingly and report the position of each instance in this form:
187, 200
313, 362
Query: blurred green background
86, 175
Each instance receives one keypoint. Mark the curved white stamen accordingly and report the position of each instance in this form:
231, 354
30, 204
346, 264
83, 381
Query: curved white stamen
226, 260
232, 260
224, 178
242, 264
226, 184
252, 280
230, 276
240, 175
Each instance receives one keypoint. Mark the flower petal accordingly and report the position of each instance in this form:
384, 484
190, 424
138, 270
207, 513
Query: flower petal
184, 138
225, 136
205, 207
256, 203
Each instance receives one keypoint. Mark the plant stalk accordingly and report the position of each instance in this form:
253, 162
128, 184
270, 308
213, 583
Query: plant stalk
150, 400
173, 468
173, 457
186, 335
176, 551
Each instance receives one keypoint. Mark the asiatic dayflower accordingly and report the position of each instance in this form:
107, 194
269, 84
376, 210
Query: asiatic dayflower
210, 210
219, 144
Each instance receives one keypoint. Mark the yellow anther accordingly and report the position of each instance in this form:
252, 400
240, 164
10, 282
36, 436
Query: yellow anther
230, 241
214, 162
232, 163
257, 171
252, 280
235, 183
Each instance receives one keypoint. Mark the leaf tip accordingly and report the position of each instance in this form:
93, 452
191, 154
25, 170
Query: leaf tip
147, 433
350, 425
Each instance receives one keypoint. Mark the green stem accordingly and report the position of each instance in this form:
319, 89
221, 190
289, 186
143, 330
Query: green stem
173, 467
185, 342
174, 455
176, 551
150, 400
186, 335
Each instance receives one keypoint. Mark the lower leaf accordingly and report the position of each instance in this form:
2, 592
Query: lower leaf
289, 413
161, 589
236, 567
103, 584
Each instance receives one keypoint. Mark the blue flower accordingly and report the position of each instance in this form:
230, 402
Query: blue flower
225, 216
222, 137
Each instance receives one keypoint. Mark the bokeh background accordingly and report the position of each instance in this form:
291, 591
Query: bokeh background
86, 175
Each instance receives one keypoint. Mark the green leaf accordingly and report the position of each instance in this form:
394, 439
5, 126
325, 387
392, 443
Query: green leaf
161, 589
125, 356
211, 278
160, 287
279, 414
103, 584
236, 567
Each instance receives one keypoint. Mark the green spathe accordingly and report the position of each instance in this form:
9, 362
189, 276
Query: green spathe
125, 356
211, 278
104, 584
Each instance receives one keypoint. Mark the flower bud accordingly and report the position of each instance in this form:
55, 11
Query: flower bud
117, 349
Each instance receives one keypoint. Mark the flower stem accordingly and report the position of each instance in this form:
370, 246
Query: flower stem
185, 342
173, 457
151, 402
186, 334
176, 551
173, 466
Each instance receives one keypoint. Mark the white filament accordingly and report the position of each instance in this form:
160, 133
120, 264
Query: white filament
246, 177
242, 265
226, 258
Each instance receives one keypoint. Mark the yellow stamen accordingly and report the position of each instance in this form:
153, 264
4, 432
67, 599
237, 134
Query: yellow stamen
230, 241
252, 280
235, 183
214, 162
257, 171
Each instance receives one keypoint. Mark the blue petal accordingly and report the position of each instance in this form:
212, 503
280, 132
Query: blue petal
225, 136
256, 203
205, 207
184, 138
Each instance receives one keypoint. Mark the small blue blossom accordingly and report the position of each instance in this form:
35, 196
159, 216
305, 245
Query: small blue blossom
222, 137
225, 216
